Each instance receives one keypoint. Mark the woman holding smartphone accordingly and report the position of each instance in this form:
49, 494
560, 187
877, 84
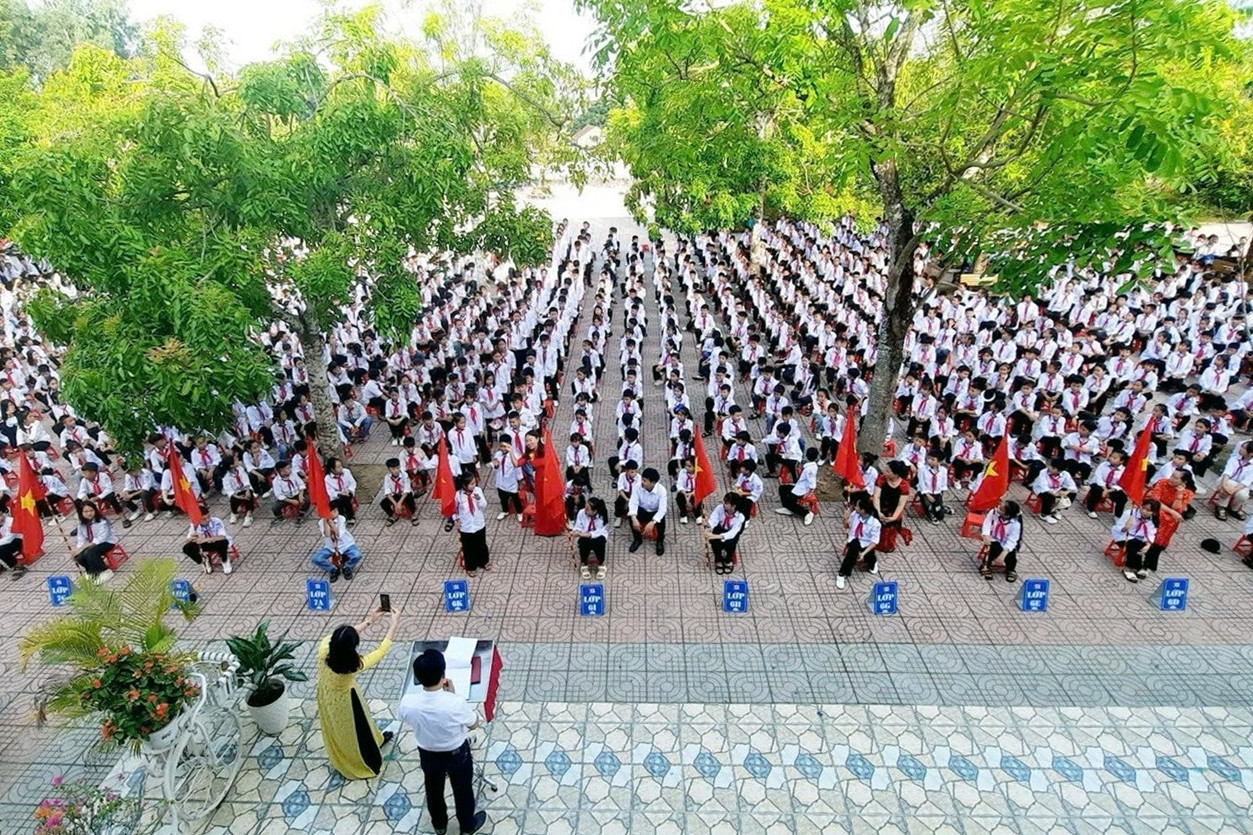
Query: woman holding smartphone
353, 741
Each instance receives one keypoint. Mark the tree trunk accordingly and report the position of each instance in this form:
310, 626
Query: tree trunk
312, 343
898, 310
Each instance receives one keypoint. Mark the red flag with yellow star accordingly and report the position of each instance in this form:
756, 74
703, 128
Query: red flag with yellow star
705, 484
995, 481
318, 497
846, 465
25, 514
1135, 474
184, 499
444, 491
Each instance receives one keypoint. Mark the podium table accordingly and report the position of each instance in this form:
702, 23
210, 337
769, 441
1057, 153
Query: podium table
484, 682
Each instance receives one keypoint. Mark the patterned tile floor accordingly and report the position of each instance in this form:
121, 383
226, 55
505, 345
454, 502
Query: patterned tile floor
959, 714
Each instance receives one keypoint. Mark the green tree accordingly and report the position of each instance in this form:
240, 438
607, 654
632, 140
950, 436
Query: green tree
42, 38
976, 115
193, 210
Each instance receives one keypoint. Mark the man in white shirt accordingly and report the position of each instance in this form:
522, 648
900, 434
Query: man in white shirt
441, 720
339, 551
647, 510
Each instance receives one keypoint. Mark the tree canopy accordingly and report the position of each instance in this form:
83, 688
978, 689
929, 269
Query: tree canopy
971, 116
178, 201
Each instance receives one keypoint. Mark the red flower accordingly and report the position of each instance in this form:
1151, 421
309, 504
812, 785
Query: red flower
97, 683
152, 697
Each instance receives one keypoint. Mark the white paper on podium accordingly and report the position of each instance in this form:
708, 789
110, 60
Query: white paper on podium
457, 659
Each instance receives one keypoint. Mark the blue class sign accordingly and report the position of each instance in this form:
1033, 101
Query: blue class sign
735, 596
592, 599
318, 595
1172, 595
884, 598
59, 588
456, 596
1034, 596
181, 589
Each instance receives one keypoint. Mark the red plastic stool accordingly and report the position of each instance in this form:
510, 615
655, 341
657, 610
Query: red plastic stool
116, 557
1033, 503
810, 503
972, 527
1116, 552
1243, 546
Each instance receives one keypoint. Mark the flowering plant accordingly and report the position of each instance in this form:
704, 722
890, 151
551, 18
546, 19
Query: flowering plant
134, 693
80, 808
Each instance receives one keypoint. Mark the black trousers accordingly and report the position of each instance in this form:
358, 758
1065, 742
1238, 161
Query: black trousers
723, 550
392, 500
588, 546
790, 500
1117, 497
852, 552
344, 505
644, 517
509, 500
995, 551
199, 552
1139, 557
458, 767
10, 552
687, 508
474, 550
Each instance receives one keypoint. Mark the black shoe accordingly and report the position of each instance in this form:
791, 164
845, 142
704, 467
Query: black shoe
388, 736
661, 548
441, 830
635, 546
479, 820
334, 575
348, 572
448, 525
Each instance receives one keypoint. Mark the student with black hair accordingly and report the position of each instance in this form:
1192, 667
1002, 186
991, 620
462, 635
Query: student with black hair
864, 530
352, 739
591, 528
1002, 536
441, 720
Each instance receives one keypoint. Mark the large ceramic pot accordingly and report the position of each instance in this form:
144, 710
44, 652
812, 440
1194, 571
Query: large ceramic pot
272, 716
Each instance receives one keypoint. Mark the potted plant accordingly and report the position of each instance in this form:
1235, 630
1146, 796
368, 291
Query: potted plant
115, 658
263, 664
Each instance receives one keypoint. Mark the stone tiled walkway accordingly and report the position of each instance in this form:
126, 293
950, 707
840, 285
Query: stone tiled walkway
1141, 717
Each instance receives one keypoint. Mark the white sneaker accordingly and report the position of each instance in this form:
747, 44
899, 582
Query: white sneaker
248, 520
149, 516
783, 511
840, 582
132, 516
585, 573
682, 520
600, 572
206, 566
519, 519
169, 514
1131, 575
1091, 514
809, 518
501, 515
104, 576
227, 568
233, 518
875, 570
1052, 520
617, 523
395, 442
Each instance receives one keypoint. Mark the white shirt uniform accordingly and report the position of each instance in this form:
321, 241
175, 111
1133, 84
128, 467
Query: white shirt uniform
343, 538
470, 510
440, 720
648, 500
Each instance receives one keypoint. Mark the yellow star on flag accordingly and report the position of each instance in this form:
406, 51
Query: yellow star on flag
183, 483
991, 471
1144, 464
28, 501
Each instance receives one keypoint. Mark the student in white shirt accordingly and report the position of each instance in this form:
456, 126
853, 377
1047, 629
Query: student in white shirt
508, 473
289, 492
1002, 535
790, 495
1104, 485
339, 552
139, 491
749, 487
207, 540
237, 487
341, 489
932, 483
440, 720
470, 516
591, 528
93, 540
647, 510
1051, 486
725, 525
1136, 531
1232, 490
863, 537
397, 492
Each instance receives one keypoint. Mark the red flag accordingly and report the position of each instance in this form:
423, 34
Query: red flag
444, 491
550, 493
995, 481
846, 464
25, 515
184, 499
316, 482
704, 473
1135, 474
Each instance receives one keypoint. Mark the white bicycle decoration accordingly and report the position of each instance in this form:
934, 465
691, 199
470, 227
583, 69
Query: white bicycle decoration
199, 757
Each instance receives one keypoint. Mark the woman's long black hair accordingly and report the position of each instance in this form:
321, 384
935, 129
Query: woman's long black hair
342, 657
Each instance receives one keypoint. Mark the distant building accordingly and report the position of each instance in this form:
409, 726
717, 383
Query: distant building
589, 136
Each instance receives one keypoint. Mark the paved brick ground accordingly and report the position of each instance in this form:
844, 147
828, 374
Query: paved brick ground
958, 640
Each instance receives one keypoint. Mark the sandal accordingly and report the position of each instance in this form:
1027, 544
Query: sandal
487, 567
1010, 576
470, 573
1221, 513
391, 520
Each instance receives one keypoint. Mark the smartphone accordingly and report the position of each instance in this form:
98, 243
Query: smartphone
385, 602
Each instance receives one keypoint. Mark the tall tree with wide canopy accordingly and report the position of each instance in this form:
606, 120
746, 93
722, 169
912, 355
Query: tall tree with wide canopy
190, 211
1079, 117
